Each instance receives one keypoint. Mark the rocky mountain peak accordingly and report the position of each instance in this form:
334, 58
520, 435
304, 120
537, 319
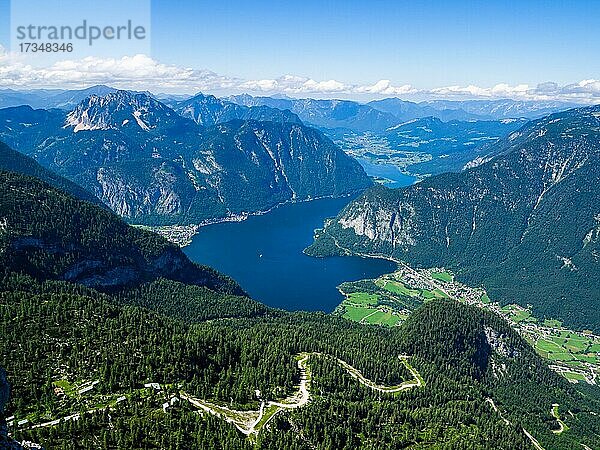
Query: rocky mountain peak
121, 110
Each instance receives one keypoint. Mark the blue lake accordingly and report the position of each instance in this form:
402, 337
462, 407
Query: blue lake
264, 255
389, 171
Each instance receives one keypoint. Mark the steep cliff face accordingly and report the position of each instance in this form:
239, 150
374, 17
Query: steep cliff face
238, 167
152, 166
291, 161
523, 223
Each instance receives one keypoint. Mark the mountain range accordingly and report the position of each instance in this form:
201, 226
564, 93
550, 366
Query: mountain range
326, 113
375, 116
208, 110
154, 166
448, 110
50, 98
524, 224
379, 115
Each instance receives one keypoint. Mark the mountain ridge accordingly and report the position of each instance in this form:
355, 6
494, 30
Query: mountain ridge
13, 161
208, 110
522, 224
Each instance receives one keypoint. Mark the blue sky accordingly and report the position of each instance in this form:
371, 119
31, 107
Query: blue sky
425, 44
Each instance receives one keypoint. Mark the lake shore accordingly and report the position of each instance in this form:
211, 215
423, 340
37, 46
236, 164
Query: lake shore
264, 254
182, 235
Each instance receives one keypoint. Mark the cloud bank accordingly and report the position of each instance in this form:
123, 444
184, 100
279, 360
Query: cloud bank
141, 72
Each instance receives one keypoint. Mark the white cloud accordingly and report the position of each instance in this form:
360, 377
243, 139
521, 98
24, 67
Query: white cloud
292, 84
586, 91
141, 72
134, 72
260, 85
497, 91
384, 87
323, 86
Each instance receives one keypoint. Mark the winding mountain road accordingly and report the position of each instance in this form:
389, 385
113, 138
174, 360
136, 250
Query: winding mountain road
251, 422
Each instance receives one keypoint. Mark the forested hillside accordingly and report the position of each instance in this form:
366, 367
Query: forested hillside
50, 234
13, 161
228, 360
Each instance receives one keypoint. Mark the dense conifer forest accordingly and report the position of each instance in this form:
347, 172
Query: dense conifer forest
77, 346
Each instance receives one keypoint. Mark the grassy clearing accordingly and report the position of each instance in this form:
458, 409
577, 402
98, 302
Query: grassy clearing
268, 413
594, 348
588, 357
577, 344
427, 295
561, 356
363, 298
548, 346
442, 276
367, 307
521, 316
518, 314
432, 295
573, 376
371, 315
440, 294
356, 313
376, 317
68, 388
566, 350
383, 318
395, 287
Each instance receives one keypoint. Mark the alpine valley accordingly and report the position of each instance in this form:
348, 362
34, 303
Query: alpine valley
524, 224
113, 337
